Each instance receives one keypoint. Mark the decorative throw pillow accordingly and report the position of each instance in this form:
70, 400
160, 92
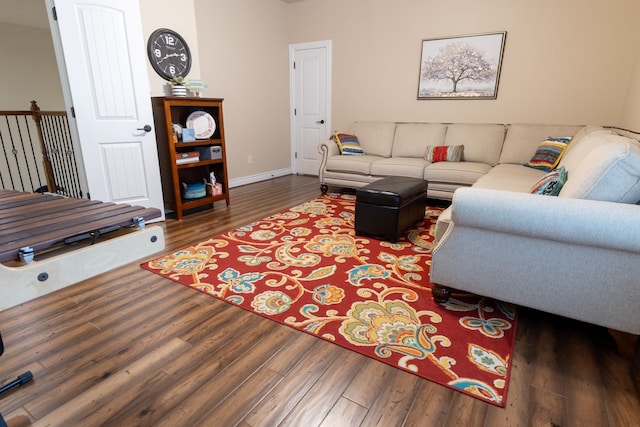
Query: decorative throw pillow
549, 153
348, 144
551, 183
444, 153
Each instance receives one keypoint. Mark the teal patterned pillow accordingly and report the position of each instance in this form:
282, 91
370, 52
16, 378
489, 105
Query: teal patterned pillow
551, 183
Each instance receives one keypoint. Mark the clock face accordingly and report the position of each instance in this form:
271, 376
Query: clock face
168, 53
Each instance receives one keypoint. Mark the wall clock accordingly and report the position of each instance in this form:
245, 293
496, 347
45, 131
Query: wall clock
168, 53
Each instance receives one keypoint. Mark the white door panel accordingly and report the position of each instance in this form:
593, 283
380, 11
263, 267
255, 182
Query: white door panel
125, 179
103, 49
309, 146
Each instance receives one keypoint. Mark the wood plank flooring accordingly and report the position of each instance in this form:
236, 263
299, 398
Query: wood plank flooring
129, 348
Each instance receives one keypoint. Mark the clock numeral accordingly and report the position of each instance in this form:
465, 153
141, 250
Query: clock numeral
172, 70
183, 57
170, 40
157, 53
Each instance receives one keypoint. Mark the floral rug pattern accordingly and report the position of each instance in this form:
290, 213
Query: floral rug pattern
306, 268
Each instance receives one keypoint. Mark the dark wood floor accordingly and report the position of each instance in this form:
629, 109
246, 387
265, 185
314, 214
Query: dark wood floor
130, 348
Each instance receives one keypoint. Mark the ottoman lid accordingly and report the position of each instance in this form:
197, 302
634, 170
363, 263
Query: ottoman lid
391, 190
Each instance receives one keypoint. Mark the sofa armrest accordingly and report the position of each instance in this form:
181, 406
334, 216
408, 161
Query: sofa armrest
575, 221
571, 257
327, 149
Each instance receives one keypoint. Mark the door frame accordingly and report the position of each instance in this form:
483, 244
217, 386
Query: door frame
293, 48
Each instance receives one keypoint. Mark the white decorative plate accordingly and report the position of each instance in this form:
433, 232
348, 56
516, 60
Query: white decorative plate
203, 123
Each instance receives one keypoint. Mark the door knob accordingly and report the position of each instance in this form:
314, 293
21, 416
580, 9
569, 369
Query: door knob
146, 128
320, 122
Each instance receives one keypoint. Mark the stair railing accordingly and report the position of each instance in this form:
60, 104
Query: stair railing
37, 152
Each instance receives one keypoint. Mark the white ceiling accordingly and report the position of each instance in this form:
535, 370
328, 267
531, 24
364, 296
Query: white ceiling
30, 13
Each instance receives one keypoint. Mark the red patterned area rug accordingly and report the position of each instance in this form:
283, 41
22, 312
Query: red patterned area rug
305, 268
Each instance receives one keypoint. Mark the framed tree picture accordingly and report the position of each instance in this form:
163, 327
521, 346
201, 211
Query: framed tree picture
464, 67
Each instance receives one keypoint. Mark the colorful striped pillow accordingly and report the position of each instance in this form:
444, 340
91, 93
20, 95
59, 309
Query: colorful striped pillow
348, 144
444, 153
549, 153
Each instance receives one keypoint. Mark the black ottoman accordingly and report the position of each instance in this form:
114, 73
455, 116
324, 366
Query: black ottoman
386, 208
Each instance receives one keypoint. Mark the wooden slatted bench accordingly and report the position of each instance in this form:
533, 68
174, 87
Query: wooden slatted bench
41, 221
76, 239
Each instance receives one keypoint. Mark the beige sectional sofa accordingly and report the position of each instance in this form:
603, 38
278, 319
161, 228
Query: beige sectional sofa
399, 149
575, 255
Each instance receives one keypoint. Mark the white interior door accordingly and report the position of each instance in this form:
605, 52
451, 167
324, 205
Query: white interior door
102, 50
310, 103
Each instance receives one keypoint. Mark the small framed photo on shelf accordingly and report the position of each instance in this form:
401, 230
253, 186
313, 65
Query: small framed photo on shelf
188, 135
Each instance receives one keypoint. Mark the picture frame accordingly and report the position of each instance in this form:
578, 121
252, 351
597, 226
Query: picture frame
461, 67
188, 135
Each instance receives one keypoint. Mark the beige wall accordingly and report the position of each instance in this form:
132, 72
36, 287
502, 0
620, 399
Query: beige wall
563, 62
244, 57
29, 69
631, 116
164, 14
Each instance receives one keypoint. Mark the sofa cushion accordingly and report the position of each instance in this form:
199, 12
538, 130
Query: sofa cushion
551, 183
400, 166
522, 140
348, 144
444, 153
353, 164
549, 153
609, 172
462, 173
412, 139
482, 142
510, 177
376, 138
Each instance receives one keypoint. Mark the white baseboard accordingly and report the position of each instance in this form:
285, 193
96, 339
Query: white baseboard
257, 178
